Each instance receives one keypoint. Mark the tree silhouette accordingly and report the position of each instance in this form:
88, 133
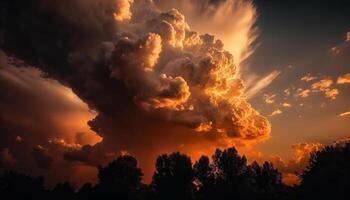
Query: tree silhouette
328, 174
266, 182
86, 192
266, 177
229, 177
226, 176
173, 178
18, 186
231, 173
205, 178
121, 179
63, 191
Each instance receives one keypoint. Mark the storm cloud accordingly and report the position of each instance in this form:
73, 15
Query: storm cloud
155, 84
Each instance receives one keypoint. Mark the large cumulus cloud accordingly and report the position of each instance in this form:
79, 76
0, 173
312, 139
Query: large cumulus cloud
156, 84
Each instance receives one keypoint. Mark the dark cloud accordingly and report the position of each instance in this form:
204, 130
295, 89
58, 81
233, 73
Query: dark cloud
6, 158
39, 111
42, 158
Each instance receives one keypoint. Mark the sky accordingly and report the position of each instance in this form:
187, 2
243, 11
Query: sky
84, 81
302, 40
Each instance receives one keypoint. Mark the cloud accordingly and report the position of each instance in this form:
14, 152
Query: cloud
210, 16
336, 50
333, 93
261, 84
123, 10
42, 157
6, 158
324, 86
269, 98
40, 111
287, 105
287, 91
344, 79
303, 93
344, 114
308, 78
298, 162
276, 112
341, 50
300, 159
342, 141
146, 74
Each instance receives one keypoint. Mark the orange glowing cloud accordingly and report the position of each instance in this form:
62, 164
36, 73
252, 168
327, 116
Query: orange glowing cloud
344, 114
269, 98
123, 10
347, 37
308, 78
324, 86
299, 161
206, 17
344, 79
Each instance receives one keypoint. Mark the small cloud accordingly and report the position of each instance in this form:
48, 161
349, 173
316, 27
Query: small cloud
332, 94
204, 127
19, 138
303, 93
63, 143
343, 79
335, 50
324, 86
287, 105
269, 98
276, 112
344, 114
308, 78
347, 36
287, 91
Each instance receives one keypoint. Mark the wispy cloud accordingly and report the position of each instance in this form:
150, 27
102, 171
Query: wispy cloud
344, 114
261, 84
308, 78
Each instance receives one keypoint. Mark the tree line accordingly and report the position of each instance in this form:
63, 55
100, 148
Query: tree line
226, 176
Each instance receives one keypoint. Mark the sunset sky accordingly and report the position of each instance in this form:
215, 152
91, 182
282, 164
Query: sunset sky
84, 81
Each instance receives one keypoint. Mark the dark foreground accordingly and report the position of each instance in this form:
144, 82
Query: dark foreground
228, 176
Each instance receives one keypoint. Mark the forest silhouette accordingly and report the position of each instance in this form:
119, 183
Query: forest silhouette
226, 176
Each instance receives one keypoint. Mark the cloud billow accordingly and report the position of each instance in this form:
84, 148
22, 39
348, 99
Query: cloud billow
155, 83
